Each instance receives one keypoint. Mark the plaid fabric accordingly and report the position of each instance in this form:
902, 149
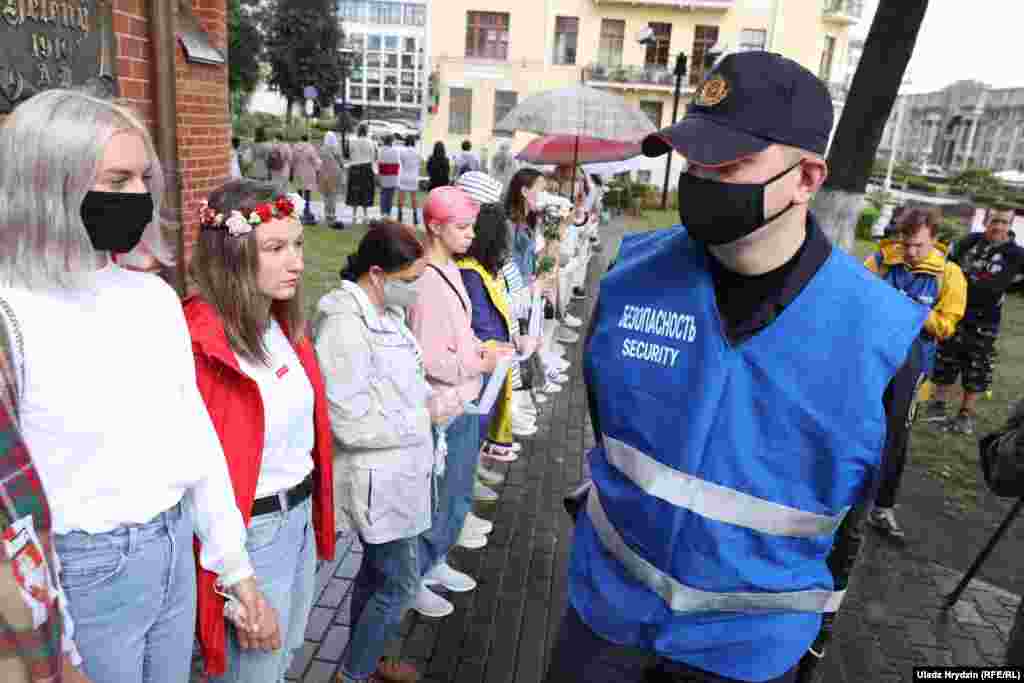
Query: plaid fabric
21, 494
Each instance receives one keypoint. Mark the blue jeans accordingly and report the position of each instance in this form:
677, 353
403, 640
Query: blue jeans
454, 491
385, 586
132, 595
581, 656
282, 548
387, 200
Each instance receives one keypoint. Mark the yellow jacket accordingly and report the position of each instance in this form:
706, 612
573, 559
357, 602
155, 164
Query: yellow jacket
952, 299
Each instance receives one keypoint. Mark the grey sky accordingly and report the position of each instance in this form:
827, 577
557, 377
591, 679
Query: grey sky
964, 40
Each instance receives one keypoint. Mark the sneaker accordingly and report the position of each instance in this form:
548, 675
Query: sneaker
540, 398
452, 579
391, 670
571, 321
484, 494
430, 604
932, 411
961, 424
552, 388
470, 541
884, 520
499, 453
558, 377
524, 430
566, 336
478, 525
489, 477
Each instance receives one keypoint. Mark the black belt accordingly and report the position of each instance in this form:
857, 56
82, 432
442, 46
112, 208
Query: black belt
294, 495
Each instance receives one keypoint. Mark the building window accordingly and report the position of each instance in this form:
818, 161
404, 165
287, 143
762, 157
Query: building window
415, 15
825, 72
373, 60
373, 94
356, 41
355, 92
408, 96
609, 49
753, 39
566, 33
460, 111
353, 10
657, 52
653, 111
373, 42
487, 35
408, 62
391, 42
391, 94
391, 61
390, 79
704, 38
373, 77
408, 78
409, 46
504, 102
387, 13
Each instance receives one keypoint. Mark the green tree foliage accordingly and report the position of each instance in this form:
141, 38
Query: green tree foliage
976, 181
303, 38
245, 47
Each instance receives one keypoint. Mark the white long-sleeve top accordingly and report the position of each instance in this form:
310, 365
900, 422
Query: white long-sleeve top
113, 418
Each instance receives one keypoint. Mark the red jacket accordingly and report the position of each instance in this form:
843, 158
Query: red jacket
236, 409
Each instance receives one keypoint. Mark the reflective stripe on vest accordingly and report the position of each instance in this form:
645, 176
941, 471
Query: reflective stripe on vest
682, 598
715, 501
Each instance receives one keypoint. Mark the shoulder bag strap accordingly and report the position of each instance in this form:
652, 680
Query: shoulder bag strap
12, 359
449, 282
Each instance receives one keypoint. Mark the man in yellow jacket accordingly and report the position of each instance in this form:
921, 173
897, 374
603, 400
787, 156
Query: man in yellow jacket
915, 264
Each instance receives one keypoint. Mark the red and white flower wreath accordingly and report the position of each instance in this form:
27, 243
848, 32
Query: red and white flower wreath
239, 223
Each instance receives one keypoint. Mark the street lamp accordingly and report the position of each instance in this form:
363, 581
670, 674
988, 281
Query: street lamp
646, 38
896, 138
343, 118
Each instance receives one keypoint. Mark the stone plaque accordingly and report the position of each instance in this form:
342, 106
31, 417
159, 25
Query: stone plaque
55, 44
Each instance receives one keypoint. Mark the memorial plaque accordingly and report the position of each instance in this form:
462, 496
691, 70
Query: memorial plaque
48, 44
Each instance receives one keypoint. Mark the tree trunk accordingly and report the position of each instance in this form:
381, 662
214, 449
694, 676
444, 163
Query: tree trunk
887, 50
288, 112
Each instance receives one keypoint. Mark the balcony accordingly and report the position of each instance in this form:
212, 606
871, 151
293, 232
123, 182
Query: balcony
843, 12
647, 77
722, 5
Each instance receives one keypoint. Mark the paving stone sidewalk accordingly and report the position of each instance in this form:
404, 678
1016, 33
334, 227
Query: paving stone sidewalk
502, 632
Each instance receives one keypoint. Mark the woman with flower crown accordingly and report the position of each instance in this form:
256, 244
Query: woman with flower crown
258, 375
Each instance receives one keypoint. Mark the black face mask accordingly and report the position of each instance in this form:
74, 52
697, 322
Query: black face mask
115, 221
715, 213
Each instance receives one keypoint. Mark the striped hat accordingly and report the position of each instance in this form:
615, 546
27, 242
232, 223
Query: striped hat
482, 188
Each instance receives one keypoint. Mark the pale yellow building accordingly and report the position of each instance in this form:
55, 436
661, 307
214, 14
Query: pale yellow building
486, 55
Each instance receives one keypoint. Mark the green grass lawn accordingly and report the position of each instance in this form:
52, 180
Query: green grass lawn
950, 459
326, 253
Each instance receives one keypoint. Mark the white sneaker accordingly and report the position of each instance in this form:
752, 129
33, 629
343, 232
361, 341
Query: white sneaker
540, 398
478, 525
470, 541
566, 336
430, 604
484, 494
571, 321
489, 477
524, 430
452, 579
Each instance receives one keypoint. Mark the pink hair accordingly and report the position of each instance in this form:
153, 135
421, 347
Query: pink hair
447, 205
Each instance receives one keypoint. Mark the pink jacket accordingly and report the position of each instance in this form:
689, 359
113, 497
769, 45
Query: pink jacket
306, 164
441, 323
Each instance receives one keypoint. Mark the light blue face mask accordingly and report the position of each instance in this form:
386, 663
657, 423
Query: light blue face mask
400, 293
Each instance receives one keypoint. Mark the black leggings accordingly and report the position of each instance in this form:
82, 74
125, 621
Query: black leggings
899, 399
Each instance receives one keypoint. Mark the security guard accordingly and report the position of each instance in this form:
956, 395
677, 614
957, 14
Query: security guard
736, 367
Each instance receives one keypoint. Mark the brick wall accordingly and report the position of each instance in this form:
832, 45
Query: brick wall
203, 118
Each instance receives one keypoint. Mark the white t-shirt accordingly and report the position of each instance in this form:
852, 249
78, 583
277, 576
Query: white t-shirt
112, 415
287, 415
409, 178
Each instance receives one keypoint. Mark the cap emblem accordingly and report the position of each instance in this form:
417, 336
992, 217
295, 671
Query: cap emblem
714, 90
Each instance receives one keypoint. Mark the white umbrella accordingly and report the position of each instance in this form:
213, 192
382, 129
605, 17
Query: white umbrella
579, 110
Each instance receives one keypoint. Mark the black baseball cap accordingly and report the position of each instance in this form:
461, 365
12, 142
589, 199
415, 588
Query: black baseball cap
749, 101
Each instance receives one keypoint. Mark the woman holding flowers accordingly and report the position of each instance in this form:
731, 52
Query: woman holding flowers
258, 375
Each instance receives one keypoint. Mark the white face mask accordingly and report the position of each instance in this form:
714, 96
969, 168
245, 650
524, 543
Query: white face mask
400, 293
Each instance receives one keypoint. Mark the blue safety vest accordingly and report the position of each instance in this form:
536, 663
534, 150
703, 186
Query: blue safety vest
723, 472
922, 288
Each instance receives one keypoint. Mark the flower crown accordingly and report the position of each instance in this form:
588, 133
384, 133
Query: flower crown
240, 223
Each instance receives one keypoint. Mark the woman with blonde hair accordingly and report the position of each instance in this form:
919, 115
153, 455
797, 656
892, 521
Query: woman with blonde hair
259, 377
123, 443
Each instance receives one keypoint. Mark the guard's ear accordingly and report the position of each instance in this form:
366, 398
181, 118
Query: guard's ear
813, 172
